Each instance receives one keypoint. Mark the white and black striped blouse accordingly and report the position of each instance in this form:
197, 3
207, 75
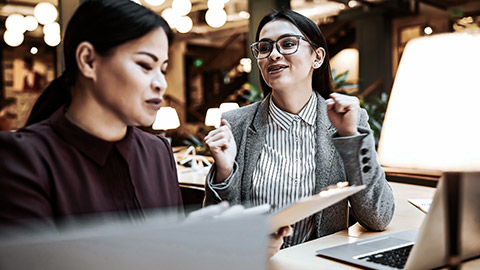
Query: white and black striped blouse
285, 171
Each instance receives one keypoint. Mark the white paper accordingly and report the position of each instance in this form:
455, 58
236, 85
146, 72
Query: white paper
310, 205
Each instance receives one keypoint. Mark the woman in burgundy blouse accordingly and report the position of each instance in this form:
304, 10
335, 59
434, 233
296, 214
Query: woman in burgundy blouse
81, 152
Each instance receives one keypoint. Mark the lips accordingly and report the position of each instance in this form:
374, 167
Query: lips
154, 103
276, 68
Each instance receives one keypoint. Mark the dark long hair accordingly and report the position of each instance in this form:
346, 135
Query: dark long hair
105, 24
322, 77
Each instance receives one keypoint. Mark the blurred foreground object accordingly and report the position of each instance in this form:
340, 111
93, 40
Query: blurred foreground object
431, 121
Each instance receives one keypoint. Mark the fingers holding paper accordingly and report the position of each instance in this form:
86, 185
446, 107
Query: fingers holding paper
276, 239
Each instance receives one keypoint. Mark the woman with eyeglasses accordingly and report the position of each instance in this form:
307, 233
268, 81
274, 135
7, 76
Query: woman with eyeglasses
300, 138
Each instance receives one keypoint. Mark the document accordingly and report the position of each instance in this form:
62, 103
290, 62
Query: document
311, 205
422, 204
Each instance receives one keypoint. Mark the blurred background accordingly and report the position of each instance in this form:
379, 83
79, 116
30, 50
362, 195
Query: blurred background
211, 68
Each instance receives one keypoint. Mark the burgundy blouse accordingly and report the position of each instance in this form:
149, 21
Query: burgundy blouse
55, 169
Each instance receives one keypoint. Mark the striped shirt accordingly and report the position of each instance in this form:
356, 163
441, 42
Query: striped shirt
285, 172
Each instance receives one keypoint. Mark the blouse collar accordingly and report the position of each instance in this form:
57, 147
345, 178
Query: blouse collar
93, 147
285, 119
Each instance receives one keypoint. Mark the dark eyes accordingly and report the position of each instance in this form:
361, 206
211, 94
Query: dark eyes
265, 47
148, 67
145, 66
288, 43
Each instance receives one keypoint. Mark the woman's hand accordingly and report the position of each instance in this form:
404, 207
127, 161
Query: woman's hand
223, 148
276, 240
343, 112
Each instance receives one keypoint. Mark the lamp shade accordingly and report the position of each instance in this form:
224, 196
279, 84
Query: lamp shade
228, 106
432, 120
213, 117
167, 118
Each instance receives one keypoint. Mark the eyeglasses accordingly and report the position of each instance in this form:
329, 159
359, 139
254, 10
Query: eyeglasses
285, 45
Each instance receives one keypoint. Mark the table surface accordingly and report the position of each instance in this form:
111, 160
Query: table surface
406, 217
302, 257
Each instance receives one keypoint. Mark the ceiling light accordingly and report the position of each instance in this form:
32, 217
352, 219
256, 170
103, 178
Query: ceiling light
15, 23
45, 13
13, 39
184, 24
30, 23
216, 18
182, 7
52, 40
216, 4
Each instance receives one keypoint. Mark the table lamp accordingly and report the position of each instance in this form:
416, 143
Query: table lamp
214, 115
432, 119
228, 106
167, 118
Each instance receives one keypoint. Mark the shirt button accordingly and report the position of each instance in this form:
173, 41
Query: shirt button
296, 117
295, 181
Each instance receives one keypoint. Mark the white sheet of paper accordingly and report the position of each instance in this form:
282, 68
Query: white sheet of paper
422, 204
310, 205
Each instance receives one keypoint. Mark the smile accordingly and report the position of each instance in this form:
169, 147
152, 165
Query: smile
276, 68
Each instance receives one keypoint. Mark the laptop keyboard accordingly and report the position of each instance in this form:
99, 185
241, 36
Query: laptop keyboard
395, 258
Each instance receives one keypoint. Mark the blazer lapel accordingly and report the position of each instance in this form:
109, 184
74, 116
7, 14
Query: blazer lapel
256, 137
324, 145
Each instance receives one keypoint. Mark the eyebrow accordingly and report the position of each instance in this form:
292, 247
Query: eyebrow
284, 35
155, 58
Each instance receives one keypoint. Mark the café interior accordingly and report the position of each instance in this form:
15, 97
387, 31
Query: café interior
211, 70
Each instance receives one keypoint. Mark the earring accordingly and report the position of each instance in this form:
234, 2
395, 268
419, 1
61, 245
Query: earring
316, 64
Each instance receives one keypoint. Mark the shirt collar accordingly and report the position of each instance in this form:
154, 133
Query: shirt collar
93, 147
284, 119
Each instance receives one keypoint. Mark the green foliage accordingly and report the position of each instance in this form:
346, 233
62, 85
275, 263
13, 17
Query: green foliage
341, 85
376, 108
200, 147
251, 93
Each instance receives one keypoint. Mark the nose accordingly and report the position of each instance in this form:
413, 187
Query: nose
275, 54
159, 83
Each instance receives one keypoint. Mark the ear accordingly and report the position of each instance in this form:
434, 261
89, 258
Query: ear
86, 56
320, 56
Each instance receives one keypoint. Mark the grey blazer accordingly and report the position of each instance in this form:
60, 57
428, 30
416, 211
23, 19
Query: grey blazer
337, 159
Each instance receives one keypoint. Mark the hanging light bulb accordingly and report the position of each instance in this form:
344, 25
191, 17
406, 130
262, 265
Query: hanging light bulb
216, 17
51, 29
30, 23
181, 7
45, 13
52, 40
12, 38
216, 4
169, 15
15, 23
184, 24
34, 50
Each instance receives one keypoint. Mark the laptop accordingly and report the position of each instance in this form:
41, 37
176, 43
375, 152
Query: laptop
233, 243
423, 249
